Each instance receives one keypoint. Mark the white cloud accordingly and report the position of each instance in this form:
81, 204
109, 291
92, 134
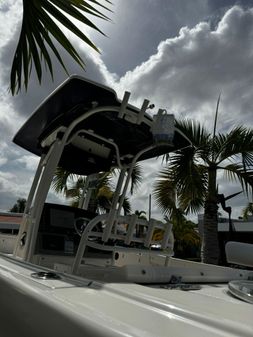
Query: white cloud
5, 176
10, 183
188, 72
30, 162
11, 15
3, 161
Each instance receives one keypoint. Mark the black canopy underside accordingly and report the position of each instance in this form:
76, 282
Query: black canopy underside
74, 98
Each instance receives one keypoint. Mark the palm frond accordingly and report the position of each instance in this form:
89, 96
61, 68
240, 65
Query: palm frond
185, 175
136, 178
197, 134
164, 194
60, 179
127, 206
237, 172
76, 189
190, 180
237, 143
38, 29
140, 214
183, 183
200, 138
248, 210
191, 188
216, 116
105, 179
104, 196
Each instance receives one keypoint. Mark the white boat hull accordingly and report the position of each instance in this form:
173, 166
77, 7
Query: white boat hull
73, 306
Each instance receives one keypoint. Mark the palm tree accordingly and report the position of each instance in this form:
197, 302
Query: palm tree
39, 25
72, 187
140, 229
248, 210
101, 198
187, 240
141, 214
192, 174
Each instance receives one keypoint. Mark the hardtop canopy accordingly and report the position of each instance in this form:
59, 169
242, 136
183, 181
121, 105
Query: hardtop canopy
76, 97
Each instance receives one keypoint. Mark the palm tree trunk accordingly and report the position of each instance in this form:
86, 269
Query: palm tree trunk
210, 246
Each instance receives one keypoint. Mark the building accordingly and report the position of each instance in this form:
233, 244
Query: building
9, 226
242, 230
9, 222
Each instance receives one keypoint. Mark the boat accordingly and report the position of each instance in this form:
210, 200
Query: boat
74, 272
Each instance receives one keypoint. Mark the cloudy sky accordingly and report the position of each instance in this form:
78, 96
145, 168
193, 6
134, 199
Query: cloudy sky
179, 54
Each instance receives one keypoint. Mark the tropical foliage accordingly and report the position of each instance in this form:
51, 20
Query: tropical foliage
19, 206
187, 240
248, 210
140, 229
141, 214
72, 186
190, 180
40, 30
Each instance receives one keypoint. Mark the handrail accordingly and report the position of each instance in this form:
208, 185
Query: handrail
127, 238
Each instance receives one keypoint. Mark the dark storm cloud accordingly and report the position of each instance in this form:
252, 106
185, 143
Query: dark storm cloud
139, 26
223, 5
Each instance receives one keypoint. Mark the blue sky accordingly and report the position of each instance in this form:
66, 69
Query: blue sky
179, 54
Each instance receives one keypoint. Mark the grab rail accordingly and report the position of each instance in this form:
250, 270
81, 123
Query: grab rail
127, 238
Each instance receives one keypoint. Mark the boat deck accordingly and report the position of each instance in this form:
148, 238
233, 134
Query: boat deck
78, 306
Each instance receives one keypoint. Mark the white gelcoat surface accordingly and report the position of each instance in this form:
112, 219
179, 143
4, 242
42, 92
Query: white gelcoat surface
76, 307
